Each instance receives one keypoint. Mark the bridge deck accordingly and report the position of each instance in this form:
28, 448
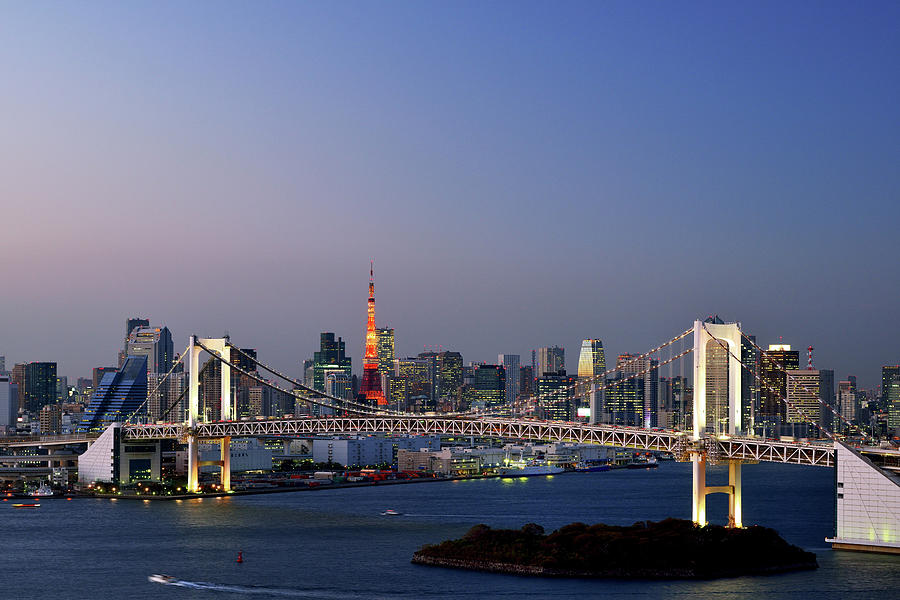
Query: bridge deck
678, 443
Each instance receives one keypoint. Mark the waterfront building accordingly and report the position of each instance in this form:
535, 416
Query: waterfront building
118, 396
369, 451
330, 357
370, 389
490, 385
447, 462
550, 360
40, 385
510, 363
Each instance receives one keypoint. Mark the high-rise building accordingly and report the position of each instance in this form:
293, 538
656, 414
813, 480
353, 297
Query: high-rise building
3, 365
385, 350
9, 405
644, 372
156, 344
550, 360
890, 397
526, 382
40, 385
17, 378
449, 367
773, 364
803, 401
331, 357
490, 385
827, 398
847, 403
370, 390
118, 396
510, 363
419, 374
591, 374
98, 374
623, 401
717, 417
749, 383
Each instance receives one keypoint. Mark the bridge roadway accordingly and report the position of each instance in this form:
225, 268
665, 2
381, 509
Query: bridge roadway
676, 442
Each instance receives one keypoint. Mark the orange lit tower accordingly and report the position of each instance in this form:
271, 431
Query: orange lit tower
371, 382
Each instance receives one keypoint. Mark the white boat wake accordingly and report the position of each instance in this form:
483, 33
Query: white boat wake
259, 590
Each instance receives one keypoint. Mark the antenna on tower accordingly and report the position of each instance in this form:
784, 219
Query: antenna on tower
809, 363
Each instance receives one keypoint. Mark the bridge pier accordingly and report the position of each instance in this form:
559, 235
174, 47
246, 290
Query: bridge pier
193, 469
225, 452
701, 490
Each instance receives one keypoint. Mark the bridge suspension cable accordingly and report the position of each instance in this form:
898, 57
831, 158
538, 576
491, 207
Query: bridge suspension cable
759, 380
589, 381
367, 410
158, 385
302, 386
781, 368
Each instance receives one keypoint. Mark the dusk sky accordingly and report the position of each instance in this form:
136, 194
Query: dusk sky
523, 173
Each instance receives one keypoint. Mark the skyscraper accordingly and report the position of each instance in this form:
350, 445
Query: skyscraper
772, 366
40, 385
331, 357
118, 396
510, 363
155, 343
370, 390
803, 401
848, 404
385, 350
550, 360
490, 385
890, 396
591, 373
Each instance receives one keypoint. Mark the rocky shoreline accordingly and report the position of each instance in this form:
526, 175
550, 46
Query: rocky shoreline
670, 549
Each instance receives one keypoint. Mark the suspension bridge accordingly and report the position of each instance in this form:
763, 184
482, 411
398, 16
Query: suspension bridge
716, 437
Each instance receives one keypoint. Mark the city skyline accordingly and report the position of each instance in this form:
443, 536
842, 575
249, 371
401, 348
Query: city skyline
524, 175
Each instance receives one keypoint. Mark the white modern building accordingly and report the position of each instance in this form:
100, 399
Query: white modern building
369, 450
867, 504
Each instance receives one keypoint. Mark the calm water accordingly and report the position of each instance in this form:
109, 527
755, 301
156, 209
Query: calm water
335, 544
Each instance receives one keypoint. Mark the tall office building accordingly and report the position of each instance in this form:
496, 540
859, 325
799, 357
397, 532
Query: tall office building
9, 406
749, 384
118, 396
40, 385
99, 372
890, 397
827, 398
510, 363
526, 382
490, 385
449, 367
773, 364
591, 374
550, 360
847, 403
130, 325
3, 365
645, 372
419, 374
623, 401
156, 344
555, 393
17, 378
803, 401
385, 350
330, 357
717, 367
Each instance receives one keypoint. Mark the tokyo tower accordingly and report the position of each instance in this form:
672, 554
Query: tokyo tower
371, 382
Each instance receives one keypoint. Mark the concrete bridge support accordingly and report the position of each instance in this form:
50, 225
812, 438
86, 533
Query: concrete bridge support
701, 490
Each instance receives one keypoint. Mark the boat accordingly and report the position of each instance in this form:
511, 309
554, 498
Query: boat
163, 579
650, 463
27, 505
391, 513
42, 491
583, 467
529, 470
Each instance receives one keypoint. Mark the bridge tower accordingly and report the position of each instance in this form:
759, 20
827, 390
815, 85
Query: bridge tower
221, 347
728, 335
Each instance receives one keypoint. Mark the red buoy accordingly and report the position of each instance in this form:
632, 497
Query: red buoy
240, 557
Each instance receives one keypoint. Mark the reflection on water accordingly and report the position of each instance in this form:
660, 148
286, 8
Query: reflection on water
336, 543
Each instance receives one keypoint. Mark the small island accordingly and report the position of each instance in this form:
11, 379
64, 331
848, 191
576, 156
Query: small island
669, 549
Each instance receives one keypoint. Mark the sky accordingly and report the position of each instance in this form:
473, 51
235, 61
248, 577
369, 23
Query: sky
524, 174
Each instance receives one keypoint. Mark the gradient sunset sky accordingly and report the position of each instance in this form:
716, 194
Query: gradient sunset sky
523, 173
